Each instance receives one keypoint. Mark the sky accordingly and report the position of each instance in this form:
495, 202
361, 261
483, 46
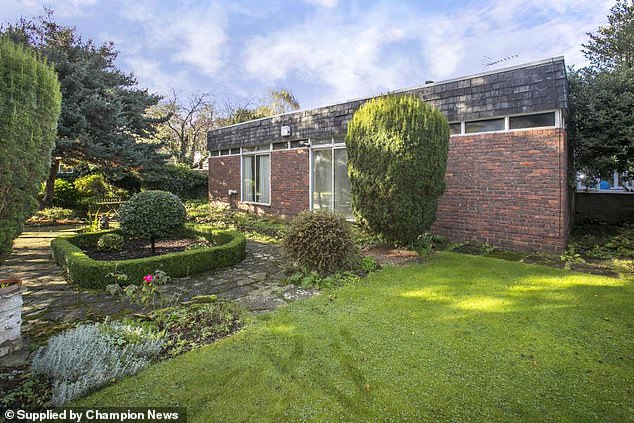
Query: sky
324, 51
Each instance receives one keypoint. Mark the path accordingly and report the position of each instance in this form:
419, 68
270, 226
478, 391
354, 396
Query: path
51, 304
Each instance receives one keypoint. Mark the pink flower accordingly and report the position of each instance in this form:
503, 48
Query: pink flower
148, 279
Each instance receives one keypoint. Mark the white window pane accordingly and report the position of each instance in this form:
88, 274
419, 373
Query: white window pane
263, 178
248, 178
343, 201
322, 179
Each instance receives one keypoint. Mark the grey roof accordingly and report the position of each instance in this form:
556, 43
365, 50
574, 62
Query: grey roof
528, 88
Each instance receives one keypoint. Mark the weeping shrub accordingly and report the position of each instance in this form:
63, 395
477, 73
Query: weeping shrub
397, 157
320, 241
30, 103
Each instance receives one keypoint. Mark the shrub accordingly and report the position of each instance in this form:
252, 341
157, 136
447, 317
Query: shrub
397, 156
54, 213
179, 179
90, 356
152, 214
110, 242
321, 241
94, 185
64, 194
30, 102
229, 249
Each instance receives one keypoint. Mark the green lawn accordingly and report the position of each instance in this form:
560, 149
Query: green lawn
460, 338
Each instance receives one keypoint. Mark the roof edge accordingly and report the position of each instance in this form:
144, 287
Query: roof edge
401, 90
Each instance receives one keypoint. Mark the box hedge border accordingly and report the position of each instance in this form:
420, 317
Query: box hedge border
89, 273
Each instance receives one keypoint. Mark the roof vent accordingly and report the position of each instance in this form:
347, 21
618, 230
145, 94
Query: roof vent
429, 81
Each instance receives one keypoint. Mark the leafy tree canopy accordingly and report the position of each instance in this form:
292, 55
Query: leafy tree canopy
613, 45
602, 98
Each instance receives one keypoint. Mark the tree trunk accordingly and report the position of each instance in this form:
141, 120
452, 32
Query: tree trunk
50, 183
153, 246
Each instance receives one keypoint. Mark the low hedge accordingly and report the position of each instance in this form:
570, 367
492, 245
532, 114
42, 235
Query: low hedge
89, 273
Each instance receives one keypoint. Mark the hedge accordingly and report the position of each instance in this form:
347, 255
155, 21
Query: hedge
90, 273
30, 102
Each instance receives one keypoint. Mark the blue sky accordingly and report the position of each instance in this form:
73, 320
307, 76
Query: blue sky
325, 51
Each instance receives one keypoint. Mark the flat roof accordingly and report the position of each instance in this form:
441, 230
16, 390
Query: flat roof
401, 90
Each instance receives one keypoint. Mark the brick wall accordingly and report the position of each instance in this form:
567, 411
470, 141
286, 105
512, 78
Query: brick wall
613, 208
508, 189
289, 182
224, 175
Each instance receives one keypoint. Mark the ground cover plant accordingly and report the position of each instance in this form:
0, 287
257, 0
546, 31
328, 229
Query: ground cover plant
263, 229
458, 338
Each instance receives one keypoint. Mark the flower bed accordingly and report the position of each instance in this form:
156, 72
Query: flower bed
229, 248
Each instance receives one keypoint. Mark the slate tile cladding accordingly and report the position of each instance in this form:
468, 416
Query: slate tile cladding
529, 88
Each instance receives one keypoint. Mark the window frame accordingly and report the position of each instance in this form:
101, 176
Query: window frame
244, 154
335, 144
559, 123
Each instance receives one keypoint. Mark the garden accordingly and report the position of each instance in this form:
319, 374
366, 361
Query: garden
148, 296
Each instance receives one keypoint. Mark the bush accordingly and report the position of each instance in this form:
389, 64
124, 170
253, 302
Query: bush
90, 356
320, 241
180, 180
64, 194
397, 157
30, 102
152, 214
229, 249
94, 186
110, 242
52, 214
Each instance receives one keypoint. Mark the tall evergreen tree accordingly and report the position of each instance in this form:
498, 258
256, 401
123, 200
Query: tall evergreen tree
103, 112
29, 108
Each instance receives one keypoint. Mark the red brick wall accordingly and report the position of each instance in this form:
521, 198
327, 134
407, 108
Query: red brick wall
224, 175
289, 182
507, 189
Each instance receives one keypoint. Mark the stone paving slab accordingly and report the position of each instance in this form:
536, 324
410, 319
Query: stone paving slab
50, 304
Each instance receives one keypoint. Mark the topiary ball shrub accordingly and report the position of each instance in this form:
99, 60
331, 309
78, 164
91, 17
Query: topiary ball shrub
152, 215
320, 241
110, 242
397, 156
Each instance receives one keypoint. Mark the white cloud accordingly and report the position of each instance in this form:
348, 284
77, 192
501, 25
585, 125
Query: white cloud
323, 3
194, 35
390, 46
153, 75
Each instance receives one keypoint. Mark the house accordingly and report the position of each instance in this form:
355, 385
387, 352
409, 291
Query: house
506, 173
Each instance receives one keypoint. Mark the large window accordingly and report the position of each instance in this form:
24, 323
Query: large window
256, 178
331, 187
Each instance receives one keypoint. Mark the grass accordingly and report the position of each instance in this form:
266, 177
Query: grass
459, 338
